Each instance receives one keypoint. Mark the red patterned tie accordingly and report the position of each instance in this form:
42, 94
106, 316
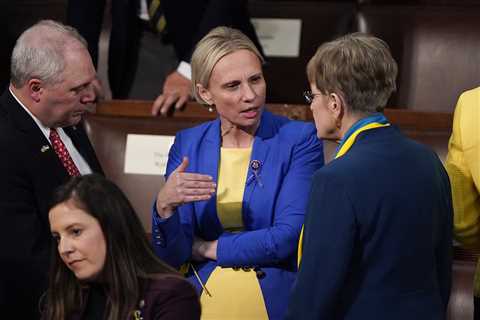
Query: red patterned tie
63, 154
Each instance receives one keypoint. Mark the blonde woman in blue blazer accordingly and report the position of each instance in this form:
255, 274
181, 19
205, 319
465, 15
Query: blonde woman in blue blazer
233, 204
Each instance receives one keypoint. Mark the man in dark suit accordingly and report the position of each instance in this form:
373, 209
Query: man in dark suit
52, 85
187, 21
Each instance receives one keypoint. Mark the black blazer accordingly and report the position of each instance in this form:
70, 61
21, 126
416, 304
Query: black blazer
188, 21
28, 175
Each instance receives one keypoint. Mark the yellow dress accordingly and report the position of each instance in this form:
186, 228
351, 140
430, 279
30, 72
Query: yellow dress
235, 294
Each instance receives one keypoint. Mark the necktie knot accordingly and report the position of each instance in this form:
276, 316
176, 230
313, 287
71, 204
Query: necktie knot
62, 153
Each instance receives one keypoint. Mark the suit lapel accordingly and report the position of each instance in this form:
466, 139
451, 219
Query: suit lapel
44, 156
259, 153
40, 146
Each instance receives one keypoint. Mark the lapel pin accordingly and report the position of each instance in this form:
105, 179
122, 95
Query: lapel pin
45, 148
255, 165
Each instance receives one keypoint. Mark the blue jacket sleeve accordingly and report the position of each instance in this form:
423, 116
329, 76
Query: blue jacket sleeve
279, 241
173, 237
330, 231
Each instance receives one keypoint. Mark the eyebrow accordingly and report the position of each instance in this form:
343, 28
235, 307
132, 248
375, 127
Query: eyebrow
73, 225
80, 86
258, 74
85, 83
230, 83
69, 227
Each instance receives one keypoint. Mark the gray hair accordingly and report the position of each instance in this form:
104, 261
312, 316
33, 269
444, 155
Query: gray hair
218, 43
358, 66
40, 52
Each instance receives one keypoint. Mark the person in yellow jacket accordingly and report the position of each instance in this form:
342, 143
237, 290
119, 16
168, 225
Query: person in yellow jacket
463, 166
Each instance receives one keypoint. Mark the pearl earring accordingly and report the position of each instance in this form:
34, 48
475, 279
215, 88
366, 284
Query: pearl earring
210, 107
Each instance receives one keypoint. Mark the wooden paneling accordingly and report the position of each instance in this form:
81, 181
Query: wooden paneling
437, 49
321, 21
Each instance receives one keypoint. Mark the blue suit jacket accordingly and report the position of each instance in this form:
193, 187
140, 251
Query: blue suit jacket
378, 234
273, 210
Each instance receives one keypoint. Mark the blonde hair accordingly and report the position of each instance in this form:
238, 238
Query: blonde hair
357, 66
218, 43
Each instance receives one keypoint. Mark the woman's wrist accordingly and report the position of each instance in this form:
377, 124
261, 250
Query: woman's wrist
164, 210
210, 249
202, 250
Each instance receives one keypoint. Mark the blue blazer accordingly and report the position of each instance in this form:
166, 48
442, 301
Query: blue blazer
378, 234
273, 205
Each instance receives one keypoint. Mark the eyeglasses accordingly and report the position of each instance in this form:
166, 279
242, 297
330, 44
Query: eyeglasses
309, 96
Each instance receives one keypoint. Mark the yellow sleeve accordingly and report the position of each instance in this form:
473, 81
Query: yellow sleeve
463, 166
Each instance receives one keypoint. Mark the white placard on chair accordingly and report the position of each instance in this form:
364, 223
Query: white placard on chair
147, 154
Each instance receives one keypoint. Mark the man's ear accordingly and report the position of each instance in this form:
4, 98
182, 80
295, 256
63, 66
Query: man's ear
35, 89
205, 94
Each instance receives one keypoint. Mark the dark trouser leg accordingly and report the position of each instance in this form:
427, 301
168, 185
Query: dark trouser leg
86, 16
156, 61
123, 48
476, 308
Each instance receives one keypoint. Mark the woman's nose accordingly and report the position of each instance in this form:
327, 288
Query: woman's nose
249, 92
65, 246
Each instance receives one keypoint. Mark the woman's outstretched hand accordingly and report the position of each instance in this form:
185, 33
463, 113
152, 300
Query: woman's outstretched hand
182, 187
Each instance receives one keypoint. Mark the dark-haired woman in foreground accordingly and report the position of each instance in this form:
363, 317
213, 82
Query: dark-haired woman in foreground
103, 267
